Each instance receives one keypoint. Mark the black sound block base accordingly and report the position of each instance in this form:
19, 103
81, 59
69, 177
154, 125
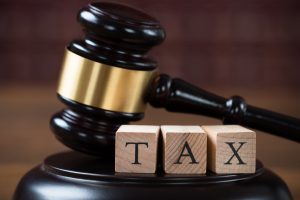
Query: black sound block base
73, 176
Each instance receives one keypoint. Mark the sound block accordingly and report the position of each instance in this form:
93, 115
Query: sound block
72, 175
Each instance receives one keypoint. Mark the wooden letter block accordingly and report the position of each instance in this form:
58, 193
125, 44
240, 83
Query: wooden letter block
231, 149
184, 149
136, 149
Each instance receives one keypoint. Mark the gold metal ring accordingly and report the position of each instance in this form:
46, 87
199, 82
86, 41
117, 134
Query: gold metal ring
103, 86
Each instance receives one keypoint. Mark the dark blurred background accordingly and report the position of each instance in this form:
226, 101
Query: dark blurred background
246, 47
209, 42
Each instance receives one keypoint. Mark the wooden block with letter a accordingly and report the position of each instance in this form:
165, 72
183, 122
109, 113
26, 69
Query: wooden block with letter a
136, 149
184, 149
231, 149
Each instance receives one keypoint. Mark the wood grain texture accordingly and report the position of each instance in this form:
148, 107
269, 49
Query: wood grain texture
231, 149
26, 138
136, 149
184, 149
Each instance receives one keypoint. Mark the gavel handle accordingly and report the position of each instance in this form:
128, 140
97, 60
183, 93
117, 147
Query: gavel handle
177, 95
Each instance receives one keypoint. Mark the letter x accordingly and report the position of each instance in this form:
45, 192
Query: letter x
235, 153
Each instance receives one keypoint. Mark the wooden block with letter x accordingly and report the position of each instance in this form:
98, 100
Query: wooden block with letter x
231, 149
184, 149
136, 149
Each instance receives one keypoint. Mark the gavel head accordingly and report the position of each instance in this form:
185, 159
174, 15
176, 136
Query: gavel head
105, 76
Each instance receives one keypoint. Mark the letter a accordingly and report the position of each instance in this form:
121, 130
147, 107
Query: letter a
189, 153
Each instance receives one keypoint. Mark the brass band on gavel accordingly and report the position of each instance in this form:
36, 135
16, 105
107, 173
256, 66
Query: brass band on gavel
103, 86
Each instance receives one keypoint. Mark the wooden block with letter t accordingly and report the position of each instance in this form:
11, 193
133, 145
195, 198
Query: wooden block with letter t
231, 149
184, 149
136, 149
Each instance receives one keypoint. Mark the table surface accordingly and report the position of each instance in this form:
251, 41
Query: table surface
26, 139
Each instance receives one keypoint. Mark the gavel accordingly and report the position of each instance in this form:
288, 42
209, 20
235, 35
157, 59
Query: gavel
107, 79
